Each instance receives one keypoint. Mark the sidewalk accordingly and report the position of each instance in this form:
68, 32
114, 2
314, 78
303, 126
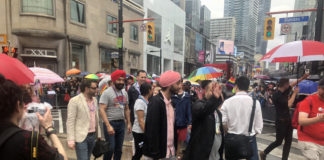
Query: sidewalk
127, 149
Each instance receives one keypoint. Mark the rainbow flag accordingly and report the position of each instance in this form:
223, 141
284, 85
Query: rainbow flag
231, 82
103, 88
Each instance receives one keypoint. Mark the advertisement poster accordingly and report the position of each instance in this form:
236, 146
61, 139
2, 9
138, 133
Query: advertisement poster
225, 47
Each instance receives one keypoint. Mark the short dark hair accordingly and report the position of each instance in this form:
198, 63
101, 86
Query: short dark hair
10, 94
205, 83
242, 83
140, 71
145, 88
86, 83
321, 83
283, 81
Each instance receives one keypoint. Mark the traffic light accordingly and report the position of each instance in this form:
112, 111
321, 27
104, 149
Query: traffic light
269, 28
150, 27
5, 49
14, 52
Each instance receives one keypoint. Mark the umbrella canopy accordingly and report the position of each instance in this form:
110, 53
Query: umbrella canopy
13, 69
192, 82
46, 76
103, 84
307, 87
261, 77
297, 51
92, 76
73, 71
205, 73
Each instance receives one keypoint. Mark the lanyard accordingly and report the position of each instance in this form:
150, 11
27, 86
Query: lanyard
93, 107
142, 98
120, 100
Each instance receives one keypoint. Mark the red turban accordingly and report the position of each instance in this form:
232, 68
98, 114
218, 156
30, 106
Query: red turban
117, 74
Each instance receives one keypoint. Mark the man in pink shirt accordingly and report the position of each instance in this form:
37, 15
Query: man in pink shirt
159, 125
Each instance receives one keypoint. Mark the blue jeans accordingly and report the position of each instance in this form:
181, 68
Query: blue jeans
84, 149
115, 141
255, 149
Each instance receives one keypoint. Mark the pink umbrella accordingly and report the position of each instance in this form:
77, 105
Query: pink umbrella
297, 51
46, 76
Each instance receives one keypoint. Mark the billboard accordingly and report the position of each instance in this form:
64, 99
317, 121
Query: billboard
225, 47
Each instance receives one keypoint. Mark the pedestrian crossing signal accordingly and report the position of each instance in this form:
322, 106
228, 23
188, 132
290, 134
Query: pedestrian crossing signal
269, 28
150, 31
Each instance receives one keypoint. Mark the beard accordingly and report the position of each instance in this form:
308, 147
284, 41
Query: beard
174, 90
119, 86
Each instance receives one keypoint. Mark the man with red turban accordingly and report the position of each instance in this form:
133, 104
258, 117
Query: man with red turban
114, 110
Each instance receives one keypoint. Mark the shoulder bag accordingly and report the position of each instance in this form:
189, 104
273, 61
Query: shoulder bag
240, 146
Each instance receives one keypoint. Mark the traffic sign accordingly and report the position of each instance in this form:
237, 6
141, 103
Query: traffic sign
294, 19
3, 39
143, 27
285, 29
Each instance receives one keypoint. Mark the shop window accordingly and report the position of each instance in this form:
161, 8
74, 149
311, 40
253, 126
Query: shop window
78, 56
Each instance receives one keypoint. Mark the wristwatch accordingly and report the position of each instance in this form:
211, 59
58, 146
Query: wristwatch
50, 131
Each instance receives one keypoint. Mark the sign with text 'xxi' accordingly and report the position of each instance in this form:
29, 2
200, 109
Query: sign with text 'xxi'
294, 19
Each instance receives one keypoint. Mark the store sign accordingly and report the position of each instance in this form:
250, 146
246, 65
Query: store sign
3, 39
39, 53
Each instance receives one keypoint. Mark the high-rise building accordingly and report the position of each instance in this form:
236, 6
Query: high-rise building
261, 44
193, 14
296, 32
222, 29
205, 21
246, 16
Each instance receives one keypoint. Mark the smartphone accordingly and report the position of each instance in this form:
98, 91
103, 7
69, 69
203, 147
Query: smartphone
306, 71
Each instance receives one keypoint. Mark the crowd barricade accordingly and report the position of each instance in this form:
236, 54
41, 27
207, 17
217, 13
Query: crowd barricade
56, 100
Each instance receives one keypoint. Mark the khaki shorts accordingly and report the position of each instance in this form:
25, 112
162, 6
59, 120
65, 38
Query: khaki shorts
312, 151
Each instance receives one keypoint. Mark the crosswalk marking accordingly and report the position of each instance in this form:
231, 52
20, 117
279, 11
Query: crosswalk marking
277, 152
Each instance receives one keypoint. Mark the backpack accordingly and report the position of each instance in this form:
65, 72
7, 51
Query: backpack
294, 121
8, 133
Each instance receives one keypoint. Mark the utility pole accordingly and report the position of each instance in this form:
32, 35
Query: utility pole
318, 30
120, 33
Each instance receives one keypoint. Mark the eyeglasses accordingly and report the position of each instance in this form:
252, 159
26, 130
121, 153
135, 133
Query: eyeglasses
94, 88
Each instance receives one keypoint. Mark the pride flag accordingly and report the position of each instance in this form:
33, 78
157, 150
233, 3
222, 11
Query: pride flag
231, 82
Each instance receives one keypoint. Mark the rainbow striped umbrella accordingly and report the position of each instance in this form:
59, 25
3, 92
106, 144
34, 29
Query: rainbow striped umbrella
205, 73
92, 76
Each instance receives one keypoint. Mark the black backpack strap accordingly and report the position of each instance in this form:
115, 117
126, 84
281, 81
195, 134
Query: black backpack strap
252, 115
34, 145
5, 135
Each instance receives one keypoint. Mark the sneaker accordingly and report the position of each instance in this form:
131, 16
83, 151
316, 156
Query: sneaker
262, 155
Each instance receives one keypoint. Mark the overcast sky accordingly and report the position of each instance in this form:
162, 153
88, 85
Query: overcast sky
217, 11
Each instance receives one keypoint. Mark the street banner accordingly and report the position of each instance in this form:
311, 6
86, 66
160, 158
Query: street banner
201, 57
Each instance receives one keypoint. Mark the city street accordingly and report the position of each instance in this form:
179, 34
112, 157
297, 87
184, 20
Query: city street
263, 140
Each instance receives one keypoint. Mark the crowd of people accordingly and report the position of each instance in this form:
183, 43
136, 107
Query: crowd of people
168, 119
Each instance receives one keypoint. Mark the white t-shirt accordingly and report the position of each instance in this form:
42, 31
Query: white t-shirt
140, 105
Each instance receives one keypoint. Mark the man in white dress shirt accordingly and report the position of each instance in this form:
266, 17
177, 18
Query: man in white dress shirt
237, 111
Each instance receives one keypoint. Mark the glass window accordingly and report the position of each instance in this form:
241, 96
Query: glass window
37, 6
178, 39
153, 64
77, 11
134, 32
111, 28
177, 66
105, 60
78, 54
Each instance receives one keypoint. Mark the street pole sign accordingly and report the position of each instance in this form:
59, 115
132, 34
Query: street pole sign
294, 19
